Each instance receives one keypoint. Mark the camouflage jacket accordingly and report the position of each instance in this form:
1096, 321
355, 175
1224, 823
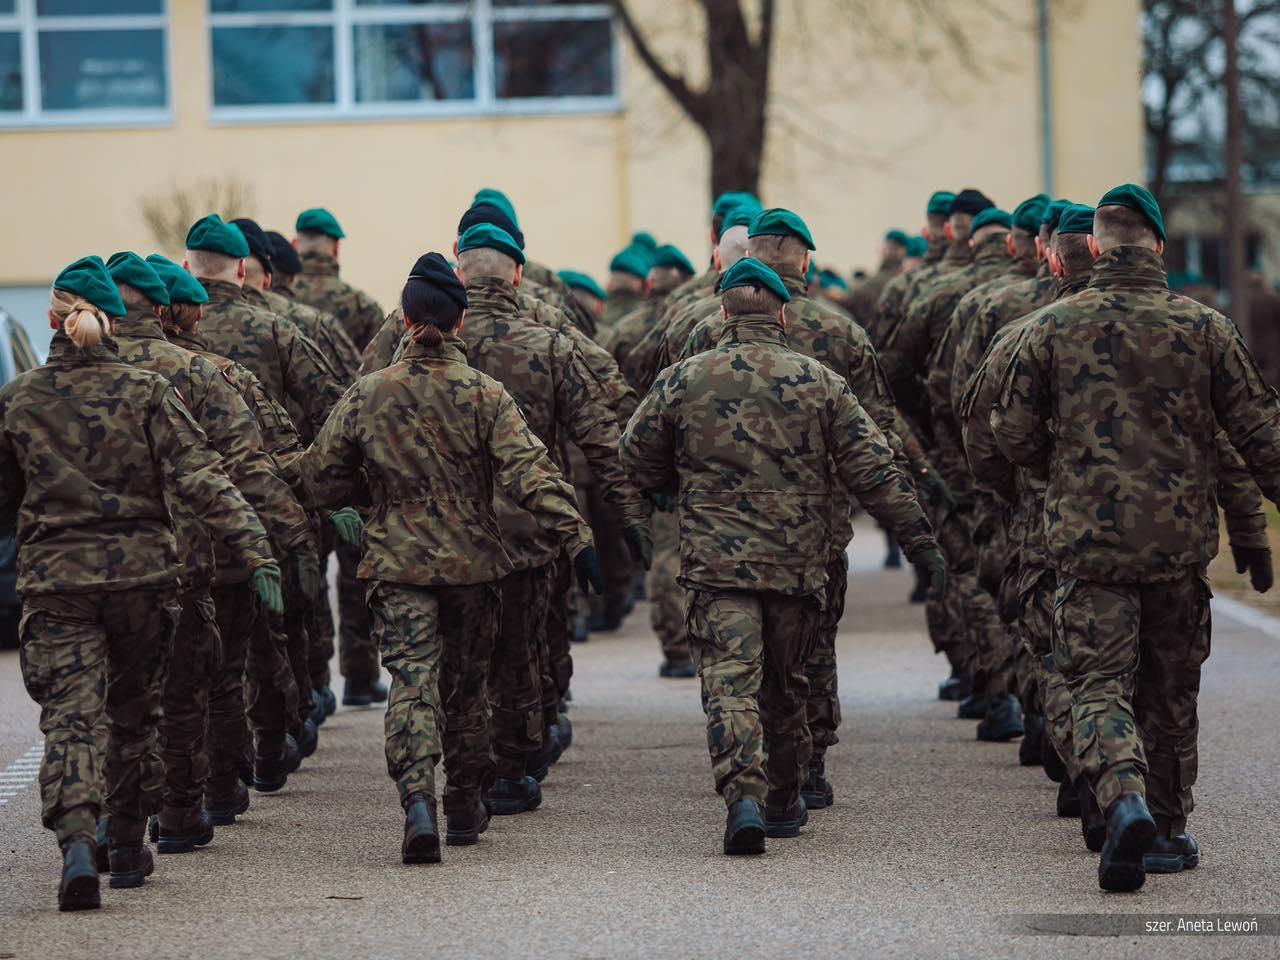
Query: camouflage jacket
622, 337
319, 327
666, 339
891, 307
428, 442
861, 301
760, 443
1114, 398
320, 286
561, 399
542, 282
91, 449
619, 304
289, 365
232, 433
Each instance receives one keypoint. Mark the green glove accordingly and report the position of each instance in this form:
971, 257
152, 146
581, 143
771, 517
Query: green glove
348, 524
662, 502
266, 580
639, 544
304, 570
931, 566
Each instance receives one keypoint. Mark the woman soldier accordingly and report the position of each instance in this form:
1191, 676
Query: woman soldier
424, 442
89, 449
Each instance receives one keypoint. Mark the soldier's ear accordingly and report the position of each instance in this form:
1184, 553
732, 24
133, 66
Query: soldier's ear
1094, 251
54, 324
519, 275
724, 315
240, 270
782, 316
1010, 245
949, 233
804, 266
1160, 247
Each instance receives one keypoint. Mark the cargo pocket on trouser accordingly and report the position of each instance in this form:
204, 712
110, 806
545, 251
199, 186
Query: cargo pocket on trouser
412, 730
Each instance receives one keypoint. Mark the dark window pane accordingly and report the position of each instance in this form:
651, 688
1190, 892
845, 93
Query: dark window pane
7, 6
10, 71
553, 58
268, 6
272, 65
102, 69
544, 3
80, 8
411, 3
414, 61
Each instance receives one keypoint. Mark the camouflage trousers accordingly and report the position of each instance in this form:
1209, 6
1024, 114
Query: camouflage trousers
944, 615
320, 632
357, 652
615, 560
515, 674
666, 596
437, 643
561, 611
81, 655
295, 625
822, 707
1049, 696
984, 645
195, 661
751, 650
1131, 656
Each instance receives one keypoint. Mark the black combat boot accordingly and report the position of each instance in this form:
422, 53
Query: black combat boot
972, 707
1002, 721
1172, 854
182, 830
130, 866
78, 889
223, 810
1068, 800
509, 797
1093, 825
330, 701
463, 829
1130, 832
272, 765
785, 822
317, 714
816, 791
308, 738
1054, 768
356, 694
954, 688
744, 829
1031, 749
677, 671
421, 839
102, 846
892, 558
566, 728
920, 592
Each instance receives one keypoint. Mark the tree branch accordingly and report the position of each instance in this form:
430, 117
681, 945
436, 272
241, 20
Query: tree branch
692, 102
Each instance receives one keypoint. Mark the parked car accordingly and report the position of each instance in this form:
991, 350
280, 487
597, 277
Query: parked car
15, 355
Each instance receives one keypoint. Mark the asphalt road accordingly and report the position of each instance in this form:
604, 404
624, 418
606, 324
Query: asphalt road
937, 846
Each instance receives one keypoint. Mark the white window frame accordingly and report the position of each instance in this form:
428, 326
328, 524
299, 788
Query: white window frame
482, 14
28, 24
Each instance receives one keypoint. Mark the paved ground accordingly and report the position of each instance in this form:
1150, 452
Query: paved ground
938, 845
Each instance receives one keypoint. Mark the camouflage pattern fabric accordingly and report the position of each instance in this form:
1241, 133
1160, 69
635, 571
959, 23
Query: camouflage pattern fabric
759, 443
197, 649
897, 293
862, 299
751, 647
320, 286
84, 653
515, 673
357, 651
822, 706
561, 612
545, 284
1037, 589
321, 328
667, 340
666, 596
619, 304
436, 643
241, 625
435, 525
89, 449
615, 561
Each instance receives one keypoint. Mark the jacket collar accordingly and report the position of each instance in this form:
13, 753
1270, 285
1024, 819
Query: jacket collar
324, 264
992, 249
1130, 267
752, 328
64, 352
489, 294
451, 350
140, 324
222, 291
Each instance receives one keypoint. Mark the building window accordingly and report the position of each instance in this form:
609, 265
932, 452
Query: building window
83, 62
306, 59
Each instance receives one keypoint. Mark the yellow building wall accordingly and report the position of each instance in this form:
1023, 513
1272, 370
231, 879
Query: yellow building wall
856, 145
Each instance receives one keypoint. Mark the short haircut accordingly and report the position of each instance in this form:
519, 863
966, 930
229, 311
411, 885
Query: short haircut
211, 264
486, 262
733, 246
1115, 226
936, 222
961, 225
778, 251
312, 241
621, 280
1073, 250
133, 297
738, 301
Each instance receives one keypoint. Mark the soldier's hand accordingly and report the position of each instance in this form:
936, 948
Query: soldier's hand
304, 570
937, 488
639, 545
1257, 560
932, 567
662, 502
587, 565
266, 581
348, 524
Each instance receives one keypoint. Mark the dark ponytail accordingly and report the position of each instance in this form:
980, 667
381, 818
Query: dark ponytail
430, 312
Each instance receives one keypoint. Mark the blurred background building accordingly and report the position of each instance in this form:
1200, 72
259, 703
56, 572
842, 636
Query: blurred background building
121, 121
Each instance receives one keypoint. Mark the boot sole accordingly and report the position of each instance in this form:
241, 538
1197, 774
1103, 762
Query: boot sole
1125, 872
269, 786
509, 808
421, 849
746, 841
817, 801
786, 829
1168, 863
1002, 735
185, 844
462, 838
127, 881
226, 816
1095, 838
80, 893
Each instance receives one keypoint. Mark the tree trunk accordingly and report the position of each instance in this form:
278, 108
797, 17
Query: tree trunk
1235, 213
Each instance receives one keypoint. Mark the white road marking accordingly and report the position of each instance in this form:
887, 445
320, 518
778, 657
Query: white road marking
18, 775
1249, 616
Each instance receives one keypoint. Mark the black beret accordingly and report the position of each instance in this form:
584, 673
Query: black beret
259, 245
488, 213
971, 201
283, 257
434, 269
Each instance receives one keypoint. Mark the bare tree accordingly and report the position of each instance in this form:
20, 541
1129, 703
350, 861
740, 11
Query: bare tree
170, 215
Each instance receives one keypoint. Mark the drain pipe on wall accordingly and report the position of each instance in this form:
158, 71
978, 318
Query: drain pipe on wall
1046, 101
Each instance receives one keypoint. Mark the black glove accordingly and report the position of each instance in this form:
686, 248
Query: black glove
662, 502
587, 565
936, 488
639, 545
932, 567
1257, 560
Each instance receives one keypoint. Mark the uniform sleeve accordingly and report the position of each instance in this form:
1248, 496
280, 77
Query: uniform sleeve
379, 351
193, 473
343, 350
905, 346
1240, 498
866, 378
368, 319
1020, 414
330, 467
525, 473
987, 463
865, 464
648, 444
702, 339
622, 399
308, 378
1246, 407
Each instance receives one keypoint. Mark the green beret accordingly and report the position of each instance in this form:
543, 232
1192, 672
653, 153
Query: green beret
1028, 214
727, 201
630, 260
669, 255
1077, 218
899, 237
829, 279
750, 272
917, 248
645, 240
1136, 198
989, 216
941, 203
128, 267
576, 280
319, 220
494, 238
182, 286
496, 198
777, 222
1052, 213
739, 217
211, 234
88, 278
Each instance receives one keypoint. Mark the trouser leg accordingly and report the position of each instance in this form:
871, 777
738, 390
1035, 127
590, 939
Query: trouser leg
790, 630
822, 707
238, 614
666, 596
615, 561
320, 627
561, 611
469, 626
357, 652
187, 687
515, 678
297, 615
